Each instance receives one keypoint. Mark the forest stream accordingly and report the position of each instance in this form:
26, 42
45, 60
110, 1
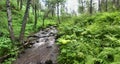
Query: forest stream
43, 50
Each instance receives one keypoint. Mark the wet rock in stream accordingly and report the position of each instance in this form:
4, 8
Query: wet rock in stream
43, 51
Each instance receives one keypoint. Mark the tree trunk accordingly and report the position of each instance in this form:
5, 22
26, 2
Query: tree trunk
99, 5
46, 15
21, 3
18, 1
106, 5
90, 6
9, 15
58, 13
24, 21
118, 5
113, 3
82, 6
52, 12
35, 16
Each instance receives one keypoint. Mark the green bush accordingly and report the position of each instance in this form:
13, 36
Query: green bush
90, 39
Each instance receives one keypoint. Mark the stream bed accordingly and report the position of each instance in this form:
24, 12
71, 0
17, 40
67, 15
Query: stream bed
43, 50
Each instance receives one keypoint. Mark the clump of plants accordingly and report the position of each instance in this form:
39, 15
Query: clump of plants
7, 49
90, 39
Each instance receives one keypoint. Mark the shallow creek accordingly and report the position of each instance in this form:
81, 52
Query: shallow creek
43, 50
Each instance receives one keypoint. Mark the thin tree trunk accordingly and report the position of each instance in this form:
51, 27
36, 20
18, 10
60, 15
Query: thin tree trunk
82, 6
35, 16
102, 4
21, 3
99, 5
18, 1
24, 21
90, 6
9, 15
118, 5
106, 5
113, 3
46, 15
52, 12
33, 9
58, 13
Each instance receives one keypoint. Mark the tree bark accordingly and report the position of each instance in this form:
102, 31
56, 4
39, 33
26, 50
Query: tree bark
46, 15
118, 5
52, 12
24, 21
90, 6
113, 3
106, 5
99, 5
82, 6
35, 16
58, 12
21, 3
18, 3
9, 15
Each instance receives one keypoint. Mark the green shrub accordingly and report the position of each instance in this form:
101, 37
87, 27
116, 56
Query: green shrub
90, 39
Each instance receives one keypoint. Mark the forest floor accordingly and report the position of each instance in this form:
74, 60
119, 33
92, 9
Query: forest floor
43, 49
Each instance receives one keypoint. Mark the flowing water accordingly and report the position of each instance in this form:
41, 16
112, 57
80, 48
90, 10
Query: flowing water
43, 51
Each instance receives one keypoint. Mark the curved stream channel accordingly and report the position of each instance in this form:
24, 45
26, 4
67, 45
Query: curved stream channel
43, 50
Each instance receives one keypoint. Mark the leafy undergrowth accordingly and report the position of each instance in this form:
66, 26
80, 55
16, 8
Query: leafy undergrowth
90, 39
6, 46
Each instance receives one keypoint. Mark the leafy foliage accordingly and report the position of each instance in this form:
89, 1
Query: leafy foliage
85, 40
90, 39
6, 46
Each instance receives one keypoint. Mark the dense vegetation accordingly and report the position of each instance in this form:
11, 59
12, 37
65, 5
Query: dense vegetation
89, 38
7, 47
